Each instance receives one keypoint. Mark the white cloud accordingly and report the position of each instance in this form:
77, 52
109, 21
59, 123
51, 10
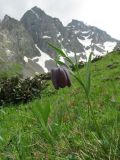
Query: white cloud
101, 13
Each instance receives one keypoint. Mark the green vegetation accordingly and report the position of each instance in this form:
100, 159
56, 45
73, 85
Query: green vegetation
58, 126
15, 90
10, 70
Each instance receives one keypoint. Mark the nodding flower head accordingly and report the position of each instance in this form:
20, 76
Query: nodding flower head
60, 77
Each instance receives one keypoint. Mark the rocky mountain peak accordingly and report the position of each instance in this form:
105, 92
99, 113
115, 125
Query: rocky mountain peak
38, 10
9, 23
35, 13
6, 18
75, 24
42, 28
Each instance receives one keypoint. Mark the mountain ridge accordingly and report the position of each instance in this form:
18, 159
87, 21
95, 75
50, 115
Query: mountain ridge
28, 40
58, 33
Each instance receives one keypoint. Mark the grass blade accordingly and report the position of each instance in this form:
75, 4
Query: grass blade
88, 74
58, 50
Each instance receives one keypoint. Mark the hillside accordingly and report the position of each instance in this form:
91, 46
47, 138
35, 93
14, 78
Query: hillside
57, 126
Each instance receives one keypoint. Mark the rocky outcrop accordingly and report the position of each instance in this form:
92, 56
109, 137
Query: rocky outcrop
15, 41
117, 47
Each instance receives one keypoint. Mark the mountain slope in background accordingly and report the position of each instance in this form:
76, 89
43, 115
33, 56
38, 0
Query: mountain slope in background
26, 41
76, 37
15, 41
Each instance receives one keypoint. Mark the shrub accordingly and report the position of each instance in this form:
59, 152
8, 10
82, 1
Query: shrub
15, 90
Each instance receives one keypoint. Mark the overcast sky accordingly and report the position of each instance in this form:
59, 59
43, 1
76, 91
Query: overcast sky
104, 14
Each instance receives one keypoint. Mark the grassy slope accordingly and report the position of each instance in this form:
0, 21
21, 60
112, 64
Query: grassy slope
68, 134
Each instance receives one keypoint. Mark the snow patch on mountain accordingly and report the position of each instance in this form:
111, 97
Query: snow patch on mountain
86, 42
82, 60
71, 54
87, 53
9, 53
84, 32
62, 59
46, 37
42, 59
59, 34
96, 53
109, 46
76, 31
25, 59
99, 45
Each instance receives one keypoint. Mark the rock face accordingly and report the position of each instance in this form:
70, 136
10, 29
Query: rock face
26, 41
42, 28
15, 41
117, 47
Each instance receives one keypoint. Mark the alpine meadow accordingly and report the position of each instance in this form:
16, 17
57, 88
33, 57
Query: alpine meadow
59, 82
60, 125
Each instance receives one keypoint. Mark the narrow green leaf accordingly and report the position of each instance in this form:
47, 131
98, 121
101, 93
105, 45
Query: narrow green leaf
58, 50
60, 63
42, 118
61, 53
1, 139
70, 61
88, 74
78, 79
45, 113
76, 61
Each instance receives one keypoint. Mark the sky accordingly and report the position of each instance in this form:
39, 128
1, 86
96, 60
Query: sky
103, 14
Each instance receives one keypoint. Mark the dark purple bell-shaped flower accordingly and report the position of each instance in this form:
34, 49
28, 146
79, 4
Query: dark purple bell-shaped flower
60, 77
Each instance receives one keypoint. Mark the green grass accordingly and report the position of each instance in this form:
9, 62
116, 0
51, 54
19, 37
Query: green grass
57, 126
